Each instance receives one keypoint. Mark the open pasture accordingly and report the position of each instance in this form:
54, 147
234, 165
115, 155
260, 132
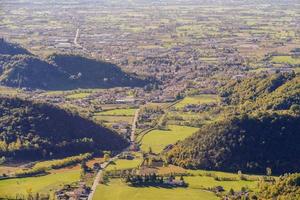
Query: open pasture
157, 140
117, 190
200, 99
118, 112
41, 184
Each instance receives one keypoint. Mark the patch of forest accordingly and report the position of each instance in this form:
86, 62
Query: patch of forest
31, 131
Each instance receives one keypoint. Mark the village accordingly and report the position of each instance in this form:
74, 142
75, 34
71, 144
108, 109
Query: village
179, 52
190, 49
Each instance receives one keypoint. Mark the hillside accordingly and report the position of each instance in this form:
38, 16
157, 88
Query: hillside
31, 131
30, 72
11, 48
246, 143
89, 73
251, 89
267, 136
287, 187
18, 68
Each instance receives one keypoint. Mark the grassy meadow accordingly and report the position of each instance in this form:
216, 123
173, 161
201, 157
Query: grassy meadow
201, 99
80, 95
159, 139
118, 112
121, 164
199, 182
117, 190
286, 59
42, 184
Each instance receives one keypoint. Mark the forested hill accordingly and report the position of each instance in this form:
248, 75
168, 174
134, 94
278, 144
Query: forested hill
275, 92
89, 73
30, 72
32, 131
62, 72
11, 48
247, 143
261, 129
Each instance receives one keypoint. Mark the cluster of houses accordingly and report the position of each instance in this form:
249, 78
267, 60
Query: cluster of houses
73, 192
198, 107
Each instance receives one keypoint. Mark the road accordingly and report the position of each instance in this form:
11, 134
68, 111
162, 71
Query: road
76, 41
98, 176
133, 127
76, 38
104, 165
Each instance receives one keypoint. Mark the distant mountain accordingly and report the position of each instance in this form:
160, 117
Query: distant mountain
261, 129
31, 131
62, 72
11, 48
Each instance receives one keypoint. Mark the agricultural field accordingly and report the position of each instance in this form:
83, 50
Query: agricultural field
157, 140
9, 91
113, 119
206, 179
201, 99
80, 95
117, 190
121, 164
118, 112
8, 170
42, 184
286, 59
198, 184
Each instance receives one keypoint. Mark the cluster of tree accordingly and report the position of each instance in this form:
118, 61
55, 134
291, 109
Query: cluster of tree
11, 48
287, 187
248, 143
61, 72
260, 130
71, 161
29, 196
276, 92
31, 172
153, 179
32, 130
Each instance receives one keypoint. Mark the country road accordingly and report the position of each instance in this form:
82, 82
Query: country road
133, 127
104, 165
76, 38
98, 176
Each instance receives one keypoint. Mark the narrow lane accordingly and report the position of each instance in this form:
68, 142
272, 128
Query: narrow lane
104, 165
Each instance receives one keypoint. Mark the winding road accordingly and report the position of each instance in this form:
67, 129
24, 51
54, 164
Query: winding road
105, 164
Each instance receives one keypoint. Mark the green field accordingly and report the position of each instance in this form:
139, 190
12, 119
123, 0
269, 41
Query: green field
80, 95
114, 119
41, 184
286, 59
201, 179
118, 112
117, 190
198, 184
125, 164
159, 139
201, 99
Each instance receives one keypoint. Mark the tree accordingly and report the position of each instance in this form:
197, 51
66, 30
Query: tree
150, 150
2, 160
268, 171
106, 157
84, 167
181, 178
231, 192
295, 108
